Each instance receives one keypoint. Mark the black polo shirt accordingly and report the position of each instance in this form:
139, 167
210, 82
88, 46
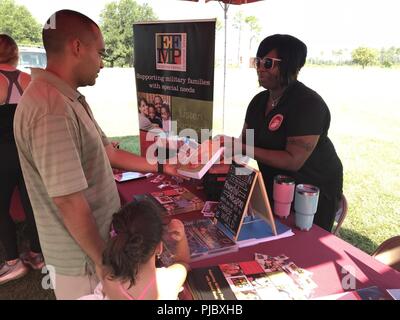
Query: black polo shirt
300, 111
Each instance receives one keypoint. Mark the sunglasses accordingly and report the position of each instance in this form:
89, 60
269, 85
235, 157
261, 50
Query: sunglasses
267, 63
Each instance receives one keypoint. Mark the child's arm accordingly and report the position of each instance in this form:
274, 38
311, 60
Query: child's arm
177, 272
176, 231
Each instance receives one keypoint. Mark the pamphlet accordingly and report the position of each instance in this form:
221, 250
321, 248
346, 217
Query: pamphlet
205, 240
209, 208
200, 161
394, 293
265, 278
173, 201
128, 175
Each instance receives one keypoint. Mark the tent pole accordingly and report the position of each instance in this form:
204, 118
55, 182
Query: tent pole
223, 90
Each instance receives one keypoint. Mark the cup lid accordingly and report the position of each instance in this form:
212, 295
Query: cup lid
282, 179
307, 189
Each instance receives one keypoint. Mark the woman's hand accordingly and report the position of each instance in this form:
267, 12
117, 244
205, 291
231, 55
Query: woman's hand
224, 140
232, 145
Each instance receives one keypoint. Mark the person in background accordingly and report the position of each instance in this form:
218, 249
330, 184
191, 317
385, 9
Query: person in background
166, 118
66, 158
131, 253
158, 102
153, 116
290, 123
12, 84
144, 121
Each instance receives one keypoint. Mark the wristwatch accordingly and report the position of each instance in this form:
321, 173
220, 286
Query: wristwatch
160, 167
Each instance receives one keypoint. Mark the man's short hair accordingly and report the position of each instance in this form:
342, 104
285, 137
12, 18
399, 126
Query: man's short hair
68, 25
8, 49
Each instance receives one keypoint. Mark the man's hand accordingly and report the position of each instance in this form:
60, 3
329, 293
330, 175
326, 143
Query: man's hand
170, 169
115, 144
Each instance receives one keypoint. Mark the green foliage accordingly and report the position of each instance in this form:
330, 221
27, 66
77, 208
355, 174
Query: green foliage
218, 25
238, 20
389, 57
116, 22
365, 56
17, 21
385, 57
253, 24
255, 28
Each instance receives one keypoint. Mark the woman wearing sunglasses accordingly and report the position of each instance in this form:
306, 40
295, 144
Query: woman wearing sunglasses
290, 123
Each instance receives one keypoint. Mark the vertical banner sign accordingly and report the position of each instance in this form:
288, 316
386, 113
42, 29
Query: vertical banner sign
174, 71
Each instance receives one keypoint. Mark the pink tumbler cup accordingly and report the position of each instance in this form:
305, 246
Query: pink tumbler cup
283, 195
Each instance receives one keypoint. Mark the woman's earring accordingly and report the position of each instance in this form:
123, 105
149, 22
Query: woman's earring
158, 255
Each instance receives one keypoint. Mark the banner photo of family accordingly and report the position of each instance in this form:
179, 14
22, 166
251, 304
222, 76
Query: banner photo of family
174, 71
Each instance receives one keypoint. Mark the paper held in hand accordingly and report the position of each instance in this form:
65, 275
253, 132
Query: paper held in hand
128, 175
200, 160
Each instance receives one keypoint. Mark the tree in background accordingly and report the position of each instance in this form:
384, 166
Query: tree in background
238, 21
255, 28
337, 54
218, 25
365, 56
116, 22
17, 22
389, 57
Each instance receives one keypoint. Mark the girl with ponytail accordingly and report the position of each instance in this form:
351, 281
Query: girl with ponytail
130, 256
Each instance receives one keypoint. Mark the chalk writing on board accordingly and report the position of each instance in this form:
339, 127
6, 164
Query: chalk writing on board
234, 198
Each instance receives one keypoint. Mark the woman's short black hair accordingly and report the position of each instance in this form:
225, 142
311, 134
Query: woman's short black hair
136, 231
291, 50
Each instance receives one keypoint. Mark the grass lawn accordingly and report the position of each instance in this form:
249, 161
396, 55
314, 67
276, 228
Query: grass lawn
129, 143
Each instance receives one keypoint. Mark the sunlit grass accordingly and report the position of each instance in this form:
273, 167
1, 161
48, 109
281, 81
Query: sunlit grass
371, 185
129, 143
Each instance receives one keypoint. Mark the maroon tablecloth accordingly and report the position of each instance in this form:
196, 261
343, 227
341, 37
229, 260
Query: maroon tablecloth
329, 258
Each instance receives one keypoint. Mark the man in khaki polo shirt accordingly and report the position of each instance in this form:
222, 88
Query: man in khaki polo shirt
66, 157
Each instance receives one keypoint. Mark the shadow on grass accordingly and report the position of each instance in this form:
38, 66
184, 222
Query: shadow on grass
28, 287
358, 240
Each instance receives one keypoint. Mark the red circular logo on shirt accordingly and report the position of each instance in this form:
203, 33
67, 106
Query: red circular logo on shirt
275, 122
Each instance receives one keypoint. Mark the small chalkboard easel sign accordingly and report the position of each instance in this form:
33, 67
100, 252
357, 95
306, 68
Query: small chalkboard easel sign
244, 193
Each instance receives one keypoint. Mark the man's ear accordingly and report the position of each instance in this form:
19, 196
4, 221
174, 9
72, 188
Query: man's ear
76, 46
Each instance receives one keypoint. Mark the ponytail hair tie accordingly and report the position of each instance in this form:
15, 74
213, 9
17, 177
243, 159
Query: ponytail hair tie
112, 232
